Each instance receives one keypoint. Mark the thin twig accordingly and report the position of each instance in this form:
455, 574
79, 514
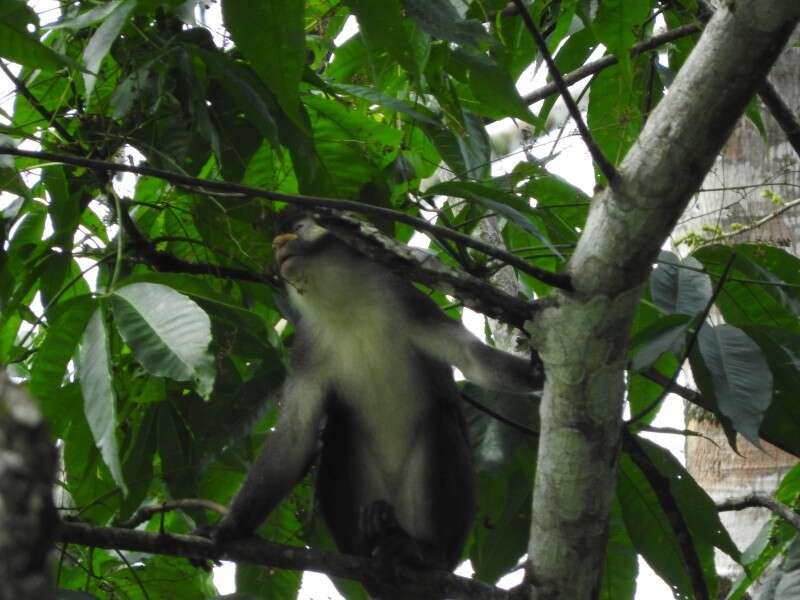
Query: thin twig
605, 166
756, 224
755, 500
144, 513
164, 261
611, 59
133, 573
557, 280
675, 431
38, 106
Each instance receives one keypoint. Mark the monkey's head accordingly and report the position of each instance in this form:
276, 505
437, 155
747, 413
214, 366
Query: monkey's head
309, 257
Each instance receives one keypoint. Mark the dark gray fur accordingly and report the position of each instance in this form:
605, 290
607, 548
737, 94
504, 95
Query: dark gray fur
371, 394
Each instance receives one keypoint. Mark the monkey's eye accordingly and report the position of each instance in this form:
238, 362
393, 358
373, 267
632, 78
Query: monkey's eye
298, 226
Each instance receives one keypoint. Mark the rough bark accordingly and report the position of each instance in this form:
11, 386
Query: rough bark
27, 514
582, 335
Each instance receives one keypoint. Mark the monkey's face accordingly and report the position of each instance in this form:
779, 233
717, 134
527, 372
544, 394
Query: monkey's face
298, 250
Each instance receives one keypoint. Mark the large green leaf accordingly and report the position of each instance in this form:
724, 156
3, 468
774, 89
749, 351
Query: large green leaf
622, 565
270, 35
696, 506
762, 285
650, 528
168, 333
492, 87
781, 422
502, 202
102, 39
63, 334
23, 48
617, 25
665, 335
99, 399
441, 20
615, 115
385, 30
741, 376
784, 582
679, 286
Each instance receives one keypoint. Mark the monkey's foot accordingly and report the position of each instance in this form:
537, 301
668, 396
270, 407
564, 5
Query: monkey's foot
387, 540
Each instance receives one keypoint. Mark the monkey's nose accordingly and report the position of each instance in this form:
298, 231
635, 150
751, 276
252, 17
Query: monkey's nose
281, 240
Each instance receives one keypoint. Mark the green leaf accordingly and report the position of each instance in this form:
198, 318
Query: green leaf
441, 20
168, 333
87, 18
782, 420
55, 352
500, 535
649, 528
10, 179
418, 113
741, 376
64, 209
240, 81
270, 34
665, 335
467, 153
696, 506
99, 399
678, 287
616, 104
492, 86
618, 25
385, 30
763, 286
23, 48
504, 203
101, 41
784, 582
138, 463
774, 537
622, 566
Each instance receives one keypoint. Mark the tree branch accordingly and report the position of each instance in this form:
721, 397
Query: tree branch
611, 59
38, 106
605, 166
755, 500
27, 514
582, 337
419, 265
781, 113
557, 280
756, 224
144, 513
261, 552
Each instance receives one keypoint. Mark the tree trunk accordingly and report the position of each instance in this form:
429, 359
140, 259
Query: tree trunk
739, 190
27, 515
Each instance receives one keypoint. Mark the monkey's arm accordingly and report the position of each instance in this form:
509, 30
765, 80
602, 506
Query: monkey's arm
282, 462
447, 340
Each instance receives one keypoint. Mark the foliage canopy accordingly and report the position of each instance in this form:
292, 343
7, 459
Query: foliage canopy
152, 372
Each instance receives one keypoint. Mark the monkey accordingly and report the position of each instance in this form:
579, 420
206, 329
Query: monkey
371, 396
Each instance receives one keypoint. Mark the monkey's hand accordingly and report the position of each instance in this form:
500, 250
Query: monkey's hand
219, 533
